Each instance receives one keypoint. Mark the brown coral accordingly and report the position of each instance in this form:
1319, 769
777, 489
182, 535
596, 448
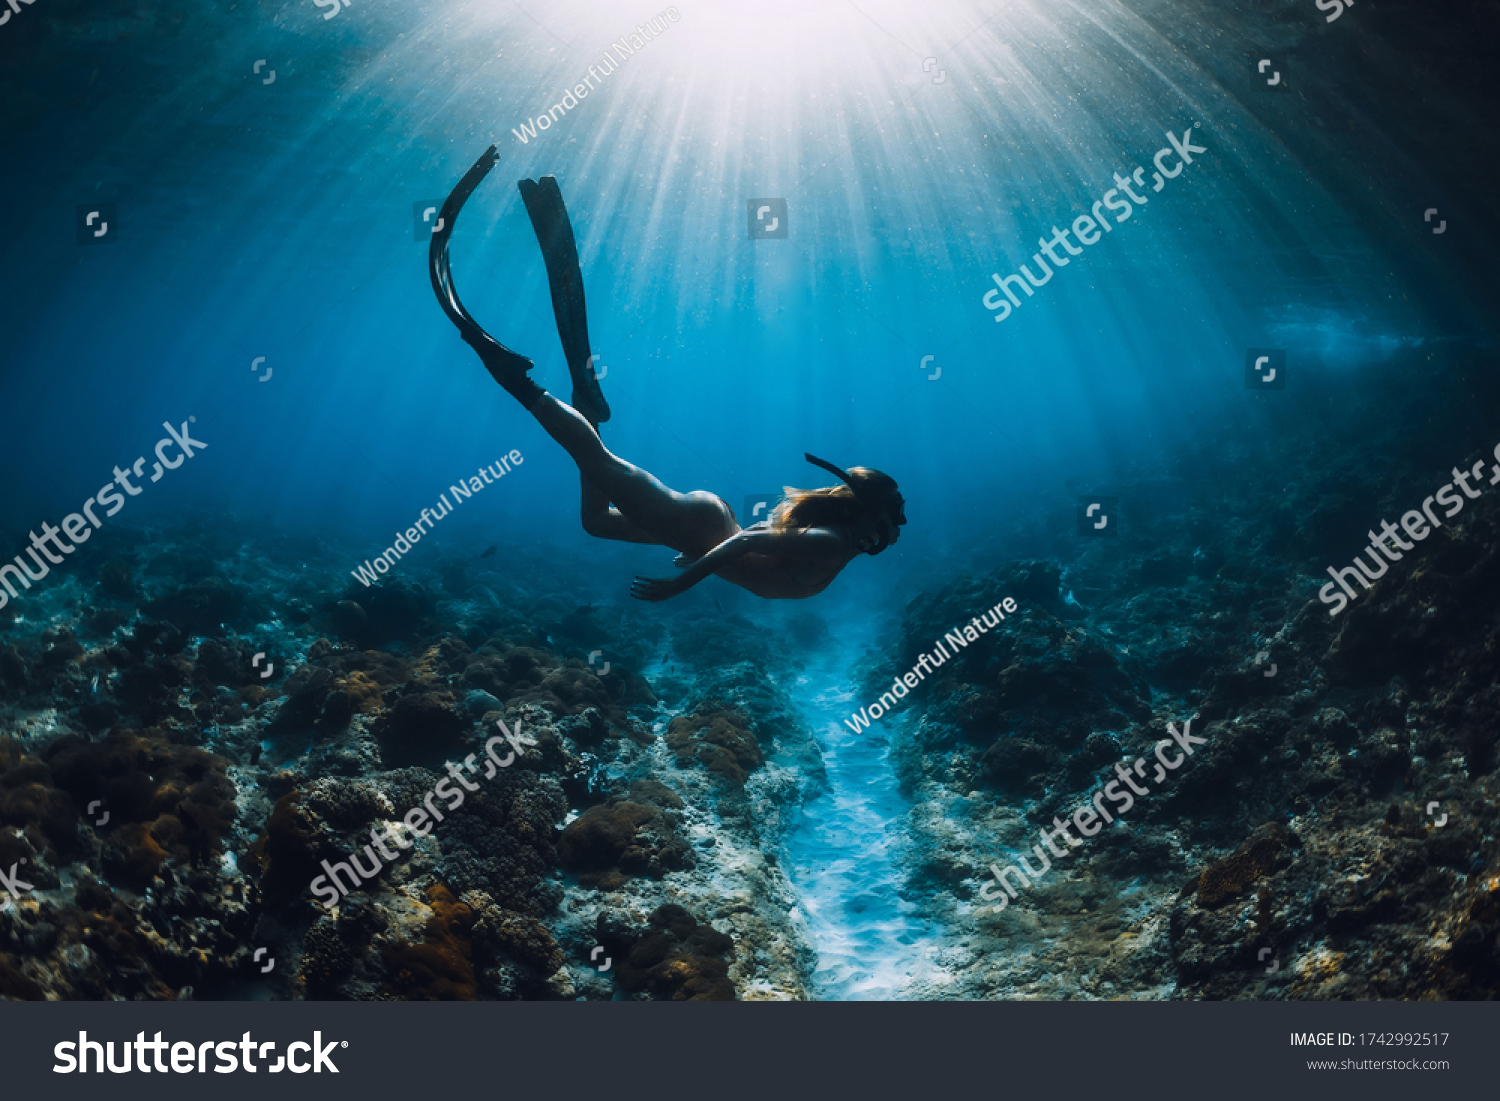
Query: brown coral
164, 800
285, 856
1218, 883
676, 958
442, 969
522, 938
720, 740
30, 800
621, 838
363, 691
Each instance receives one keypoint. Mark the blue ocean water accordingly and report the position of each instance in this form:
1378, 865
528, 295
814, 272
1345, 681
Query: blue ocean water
263, 270
275, 220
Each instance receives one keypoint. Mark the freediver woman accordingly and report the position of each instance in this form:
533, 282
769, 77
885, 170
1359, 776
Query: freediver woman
811, 535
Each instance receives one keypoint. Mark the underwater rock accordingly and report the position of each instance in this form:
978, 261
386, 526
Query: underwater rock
347, 804
582, 628
523, 939
306, 690
286, 857
479, 908
1257, 857
117, 580
526, 675
150, 637
1016, 764
338, 709
391, 610
675, 958
226, 662
103, 944
375, 667
586, 729
621, 838
1020, 704
348, 620
205, 607
717, 640
13, 674
479, 703
422, 729
31, 801
1413, 621
719, 739
501, 841
164, 801
104, 622
149, 689
1340, 736
325, 960
655, 793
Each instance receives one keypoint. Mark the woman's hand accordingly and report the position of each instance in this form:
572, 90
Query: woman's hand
656, 589
693, 570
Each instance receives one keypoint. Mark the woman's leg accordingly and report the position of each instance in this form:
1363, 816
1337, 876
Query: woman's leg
693, 523
603, 522
648, 512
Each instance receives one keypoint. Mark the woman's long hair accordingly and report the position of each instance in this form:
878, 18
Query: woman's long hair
812, 508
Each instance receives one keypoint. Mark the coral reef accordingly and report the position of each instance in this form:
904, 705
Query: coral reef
1332, 837
452, 787
357, 814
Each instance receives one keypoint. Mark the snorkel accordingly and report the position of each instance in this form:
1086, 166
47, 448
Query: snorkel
887, 508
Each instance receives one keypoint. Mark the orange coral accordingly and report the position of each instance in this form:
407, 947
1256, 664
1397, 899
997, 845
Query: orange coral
443, 968
363, 690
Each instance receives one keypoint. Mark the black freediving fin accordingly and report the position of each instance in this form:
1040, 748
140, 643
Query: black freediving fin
554, 232
508, 368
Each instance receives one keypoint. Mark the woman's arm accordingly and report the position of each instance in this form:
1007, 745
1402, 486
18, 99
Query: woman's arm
654, 589
813, 544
